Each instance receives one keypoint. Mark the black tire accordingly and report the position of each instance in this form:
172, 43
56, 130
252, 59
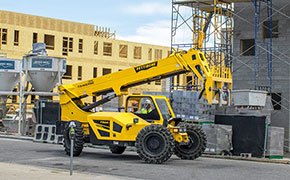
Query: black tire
117, 149
196, 146
78, 142
154, 144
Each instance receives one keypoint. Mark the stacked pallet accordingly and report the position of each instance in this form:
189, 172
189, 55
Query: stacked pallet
188, 106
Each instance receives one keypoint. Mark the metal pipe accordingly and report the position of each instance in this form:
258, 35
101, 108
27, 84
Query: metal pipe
41, 93
98, 103
9, 93
71, 155
20, 88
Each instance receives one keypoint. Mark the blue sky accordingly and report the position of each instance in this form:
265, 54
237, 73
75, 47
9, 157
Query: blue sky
133, 20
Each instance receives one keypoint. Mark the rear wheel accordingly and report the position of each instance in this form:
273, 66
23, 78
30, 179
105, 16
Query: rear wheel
154, 144
78, 142
196, 145
117, 149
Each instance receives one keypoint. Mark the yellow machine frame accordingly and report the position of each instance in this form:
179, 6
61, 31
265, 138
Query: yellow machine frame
216, 81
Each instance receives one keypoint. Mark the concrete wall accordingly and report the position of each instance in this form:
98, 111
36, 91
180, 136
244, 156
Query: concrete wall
244, 65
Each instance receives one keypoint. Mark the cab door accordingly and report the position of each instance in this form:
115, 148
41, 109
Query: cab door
144, 107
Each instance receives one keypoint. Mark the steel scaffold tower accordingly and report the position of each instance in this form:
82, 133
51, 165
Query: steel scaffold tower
206, 25
263, 45
190, 17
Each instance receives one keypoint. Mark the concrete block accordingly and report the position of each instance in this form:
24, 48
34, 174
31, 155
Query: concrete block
47, 134
275, 143
219, 138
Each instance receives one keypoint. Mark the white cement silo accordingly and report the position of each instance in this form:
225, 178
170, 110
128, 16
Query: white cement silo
44, 72
9, 77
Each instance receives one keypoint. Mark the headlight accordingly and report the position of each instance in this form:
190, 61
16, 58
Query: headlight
182, 130
176, 130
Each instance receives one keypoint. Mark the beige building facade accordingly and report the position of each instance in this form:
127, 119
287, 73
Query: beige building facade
90, 51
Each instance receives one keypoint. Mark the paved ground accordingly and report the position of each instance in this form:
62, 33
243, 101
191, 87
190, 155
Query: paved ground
101, 164
25, 172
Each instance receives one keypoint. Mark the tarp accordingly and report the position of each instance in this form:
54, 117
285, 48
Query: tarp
248, 133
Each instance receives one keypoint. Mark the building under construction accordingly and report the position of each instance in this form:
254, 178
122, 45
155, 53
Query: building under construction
91, 50
245, 35
250, 36
261, 54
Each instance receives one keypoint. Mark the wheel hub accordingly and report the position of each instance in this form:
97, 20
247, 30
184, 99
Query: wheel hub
192, 143
154, 143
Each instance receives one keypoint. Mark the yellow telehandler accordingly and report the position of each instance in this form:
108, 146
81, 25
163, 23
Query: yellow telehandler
148, 122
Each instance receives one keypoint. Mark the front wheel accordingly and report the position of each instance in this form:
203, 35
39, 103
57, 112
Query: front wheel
154, 144
79, 139
196, 145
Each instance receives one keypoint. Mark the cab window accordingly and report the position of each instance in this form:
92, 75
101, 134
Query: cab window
143, 107
164, 109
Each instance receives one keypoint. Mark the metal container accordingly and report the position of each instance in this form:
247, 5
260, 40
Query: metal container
44, 72
9, 73
11, 121
249, 97
219, 138
9, 77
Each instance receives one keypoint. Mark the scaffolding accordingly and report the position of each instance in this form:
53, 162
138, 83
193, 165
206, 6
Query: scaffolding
261, 63
190, 17
263, 45
210, 22
206, 25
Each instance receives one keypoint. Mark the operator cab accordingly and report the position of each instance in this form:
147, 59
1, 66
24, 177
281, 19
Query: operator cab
152, 109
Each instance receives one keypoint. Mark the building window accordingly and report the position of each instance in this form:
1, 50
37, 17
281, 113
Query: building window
123, 51
267, 32
158, 82
80, 72
49, 41
248, 47
188, 83
80, 45
177, 80
96, 47
158, 54
32, 97
68, 73
64, 46
107, 49
4, 36
67, 45
106, 71
137, 52
70, 44
34, 38
95, 72
150, 54
16, 38
276, 100
14, 97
